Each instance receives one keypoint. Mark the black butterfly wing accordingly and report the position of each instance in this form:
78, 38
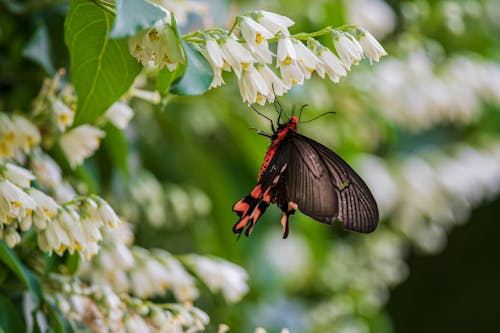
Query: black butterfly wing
326, 188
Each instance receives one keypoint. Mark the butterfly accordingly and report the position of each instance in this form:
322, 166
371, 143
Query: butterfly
299, 173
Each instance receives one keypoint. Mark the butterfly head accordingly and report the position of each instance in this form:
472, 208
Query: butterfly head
292, 123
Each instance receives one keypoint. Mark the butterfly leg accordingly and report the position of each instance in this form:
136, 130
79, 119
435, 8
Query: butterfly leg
292, 207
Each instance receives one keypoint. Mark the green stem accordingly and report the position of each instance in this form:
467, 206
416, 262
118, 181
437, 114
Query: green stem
236, 21
198, 37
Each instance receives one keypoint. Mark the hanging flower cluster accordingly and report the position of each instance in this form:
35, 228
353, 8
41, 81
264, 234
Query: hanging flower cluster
148, 273
245, 50
73, 226
103, 310
33, 194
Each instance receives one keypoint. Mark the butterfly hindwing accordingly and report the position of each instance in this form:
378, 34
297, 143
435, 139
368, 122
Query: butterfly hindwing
251, 207
326, 188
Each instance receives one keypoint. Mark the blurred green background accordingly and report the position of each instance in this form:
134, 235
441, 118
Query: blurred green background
421, 127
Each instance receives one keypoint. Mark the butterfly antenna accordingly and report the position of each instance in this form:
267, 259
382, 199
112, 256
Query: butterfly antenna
321, 115
300, 112
261, 133
277, 105
263, 115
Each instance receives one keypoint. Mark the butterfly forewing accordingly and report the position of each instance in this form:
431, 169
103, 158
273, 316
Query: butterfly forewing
326, 188
309, 183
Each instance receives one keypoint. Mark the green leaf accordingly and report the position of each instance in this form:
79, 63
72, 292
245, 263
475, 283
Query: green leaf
73, 262
10, 319
198, 75
133, 16
30, 280
116, 146
101, 69
59, 323
38, 49
67, 264
165, 78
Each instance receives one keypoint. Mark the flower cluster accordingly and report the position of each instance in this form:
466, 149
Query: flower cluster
38, 198
18, 136
73, 226
221, 275
159, 46
455, 95
163, 204
54, 108
148, 273
249, 56
103, 310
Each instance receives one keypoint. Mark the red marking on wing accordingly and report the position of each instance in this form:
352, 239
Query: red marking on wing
241, 207
241, 224
256, 192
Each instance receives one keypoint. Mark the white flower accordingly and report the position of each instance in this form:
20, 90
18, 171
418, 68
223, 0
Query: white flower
291, 73
7, 136
158, 46
332, 65
12, 238
253, 88
64, 192
46, 208
137, 48
286, 51
17, 175
217, 60
149, 277
64, 115
253, 32
223, 328
104, 212
135, 323
17, 135
214, 52
238, 56
261, 52
218, 80
27, 134
46, 170
181, 282
273, 22
274, 83
17, 202
91, 235
375, 15
371, 46
349, 50
221, 275
119, 114
55, 237
306, 59
80, 142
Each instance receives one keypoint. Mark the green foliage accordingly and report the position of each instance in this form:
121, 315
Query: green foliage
10, 318
101, 68
197, 77
28, 278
